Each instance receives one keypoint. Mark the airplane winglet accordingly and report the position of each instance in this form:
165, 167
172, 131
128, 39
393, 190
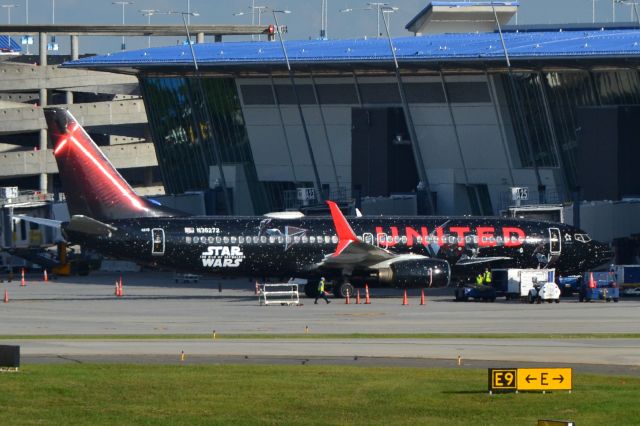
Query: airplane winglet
345, 234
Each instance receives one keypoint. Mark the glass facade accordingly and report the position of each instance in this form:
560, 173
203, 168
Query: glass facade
183, 141
554, 141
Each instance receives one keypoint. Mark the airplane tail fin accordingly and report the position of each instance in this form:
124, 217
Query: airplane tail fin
93, 187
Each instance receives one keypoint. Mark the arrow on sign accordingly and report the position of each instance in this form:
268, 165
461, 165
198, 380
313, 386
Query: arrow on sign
560, 379
529, 379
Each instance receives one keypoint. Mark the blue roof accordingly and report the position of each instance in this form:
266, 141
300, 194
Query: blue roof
9, 43
440, 48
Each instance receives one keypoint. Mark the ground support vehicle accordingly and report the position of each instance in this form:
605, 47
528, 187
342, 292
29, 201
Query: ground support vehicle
599, 286
518, 283
570, 284
477, 292
544, 292
627, 277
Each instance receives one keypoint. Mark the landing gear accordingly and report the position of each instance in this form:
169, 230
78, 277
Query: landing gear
343, 288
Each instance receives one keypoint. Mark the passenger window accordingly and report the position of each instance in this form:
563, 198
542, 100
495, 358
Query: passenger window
327, 239
196, 240
305, 239
234, 240
225, 240
404, 240
296, 239
210, 240
263, 239
334, 239
312, 240
288, 239
272, 240
241, 239
280, 240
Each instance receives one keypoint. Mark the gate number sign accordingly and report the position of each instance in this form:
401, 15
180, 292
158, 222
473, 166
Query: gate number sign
530, 379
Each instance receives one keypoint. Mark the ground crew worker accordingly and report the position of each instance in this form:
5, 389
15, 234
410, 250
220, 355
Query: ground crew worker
480, 279
487, 276
321, 292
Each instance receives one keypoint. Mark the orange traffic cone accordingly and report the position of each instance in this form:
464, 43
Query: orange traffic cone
117, 293
592, 282
45, 277
422, 301
358, 297
347, 301
367, 301
22, 281
121, 289
6, 296
405, 301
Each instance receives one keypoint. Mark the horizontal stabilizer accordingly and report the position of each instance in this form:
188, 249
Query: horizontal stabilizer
86, 225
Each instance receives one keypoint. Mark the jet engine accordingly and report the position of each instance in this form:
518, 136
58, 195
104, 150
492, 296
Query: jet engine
416, 273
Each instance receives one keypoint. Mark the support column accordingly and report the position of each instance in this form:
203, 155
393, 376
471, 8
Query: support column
43, 49
44, 179
200, 38
74, 56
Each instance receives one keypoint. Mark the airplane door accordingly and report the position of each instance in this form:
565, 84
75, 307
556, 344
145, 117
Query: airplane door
368, 238
555, 241
382, 240
157, 242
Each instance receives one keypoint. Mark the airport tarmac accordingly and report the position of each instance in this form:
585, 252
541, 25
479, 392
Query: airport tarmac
154, 304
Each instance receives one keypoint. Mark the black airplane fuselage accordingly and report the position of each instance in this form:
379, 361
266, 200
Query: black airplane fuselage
270, 247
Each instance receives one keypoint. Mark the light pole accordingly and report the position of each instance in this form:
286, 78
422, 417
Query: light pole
317, 185
9, 7
148, 13
613, 10
254, 8
378, 6
634, 8
423, 185
123, 46
207, 115
324, 19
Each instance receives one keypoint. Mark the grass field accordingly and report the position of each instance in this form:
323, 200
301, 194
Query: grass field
230, 394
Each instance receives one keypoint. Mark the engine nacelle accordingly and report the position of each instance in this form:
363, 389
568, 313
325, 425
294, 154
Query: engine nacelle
416, 273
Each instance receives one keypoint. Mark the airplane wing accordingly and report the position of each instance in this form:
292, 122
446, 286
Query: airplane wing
351, 251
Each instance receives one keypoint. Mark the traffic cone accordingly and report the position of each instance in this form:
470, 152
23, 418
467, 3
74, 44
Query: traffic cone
592, 282
405, 301
358, 297
256, 287
22, 281
121, 289
45, 277
117, 293
6, 296
347, 301
367, 301
422, 301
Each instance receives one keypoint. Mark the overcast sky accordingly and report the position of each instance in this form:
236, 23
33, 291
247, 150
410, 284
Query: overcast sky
303, 23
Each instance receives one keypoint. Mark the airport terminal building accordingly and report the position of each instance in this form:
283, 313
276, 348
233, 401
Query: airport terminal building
482, 127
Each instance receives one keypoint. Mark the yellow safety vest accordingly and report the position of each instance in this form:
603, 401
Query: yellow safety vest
479, 279
487, 277
321, 286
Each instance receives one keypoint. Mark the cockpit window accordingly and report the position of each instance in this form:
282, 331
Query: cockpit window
583, 238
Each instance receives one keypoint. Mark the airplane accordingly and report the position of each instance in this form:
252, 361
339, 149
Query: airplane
401, 252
